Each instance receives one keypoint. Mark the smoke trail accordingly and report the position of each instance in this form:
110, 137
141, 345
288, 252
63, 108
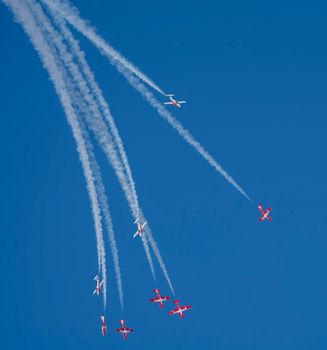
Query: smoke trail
94, 87
56, 72
154, 246
144, 238
98, 96
71, 13
187, 136
94, 120
72, 16
103, 200
82, 108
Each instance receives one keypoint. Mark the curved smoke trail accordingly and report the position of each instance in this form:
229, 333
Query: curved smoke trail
71, 15
90, 79
94, 120
56, 72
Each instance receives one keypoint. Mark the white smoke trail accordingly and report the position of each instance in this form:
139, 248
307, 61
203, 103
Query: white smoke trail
82, 108
144, 238
103, 201
71, 13
156, 251
94, 87
94, 120
79, 103
80, 56
24, 16
98, 96
187, 136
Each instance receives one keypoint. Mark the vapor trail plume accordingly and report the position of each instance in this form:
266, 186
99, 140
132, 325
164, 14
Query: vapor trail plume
94, 120
98, 96
79, 103
71, 13
82, 108
103, 201
177, 125
24, 16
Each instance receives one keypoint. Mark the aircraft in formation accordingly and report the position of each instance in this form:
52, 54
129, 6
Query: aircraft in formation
97, 289
159, 298
174, 102
264, 213
124, 330
103, 326
179, 309
140, 227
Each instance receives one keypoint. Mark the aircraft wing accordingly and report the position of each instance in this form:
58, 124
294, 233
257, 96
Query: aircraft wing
144, 224
168, 103
136, 233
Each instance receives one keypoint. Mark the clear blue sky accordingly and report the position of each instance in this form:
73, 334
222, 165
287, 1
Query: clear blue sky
255, 77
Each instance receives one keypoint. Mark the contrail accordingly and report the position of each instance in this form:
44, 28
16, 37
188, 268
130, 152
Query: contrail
90, 113
105, 108
64, 56
24, 16
101, 192
94, 121
63, 7
154, 246
71, 13
99, 127
98, 96
103, 201
177, 125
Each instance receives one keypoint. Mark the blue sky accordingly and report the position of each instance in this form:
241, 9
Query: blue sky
255, 79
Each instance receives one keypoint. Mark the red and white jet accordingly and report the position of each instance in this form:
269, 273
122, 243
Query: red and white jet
179, 309
264, 213
159, 298
103, 326
124, 330
97, 289
173, 101
140, 227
